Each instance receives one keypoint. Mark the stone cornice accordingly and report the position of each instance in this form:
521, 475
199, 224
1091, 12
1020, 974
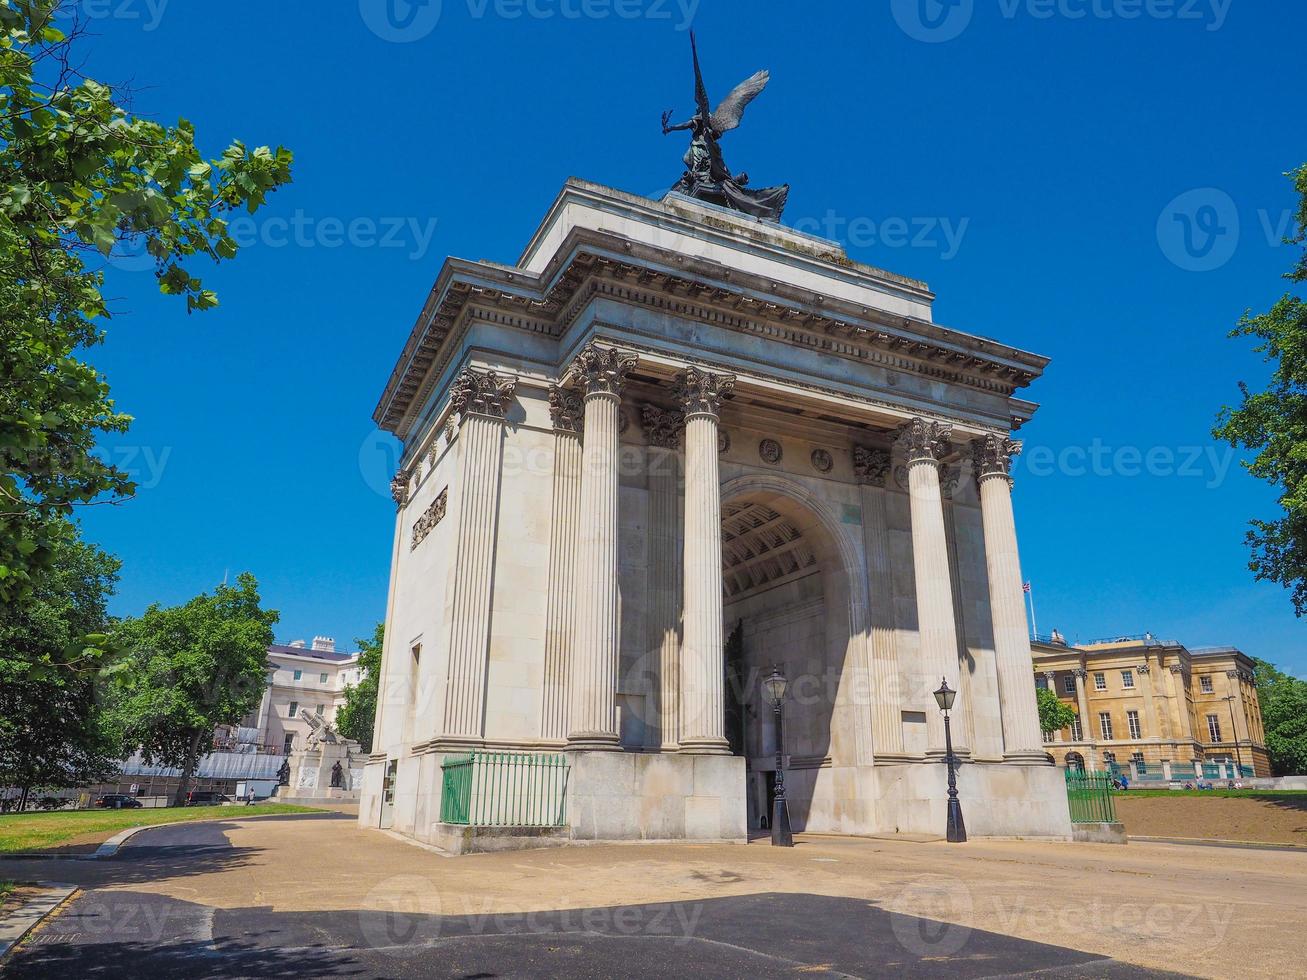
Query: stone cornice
698, 289
871, 465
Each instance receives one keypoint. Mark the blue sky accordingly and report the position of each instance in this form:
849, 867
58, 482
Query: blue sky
1095, 180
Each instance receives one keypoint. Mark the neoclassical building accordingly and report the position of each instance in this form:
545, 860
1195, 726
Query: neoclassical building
1155, 708
669, 448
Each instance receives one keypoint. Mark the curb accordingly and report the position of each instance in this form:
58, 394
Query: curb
110, 847
1221, 842
15, 926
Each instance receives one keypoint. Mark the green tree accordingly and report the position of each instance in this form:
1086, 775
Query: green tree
1053, 714
358, 714
79, 177
1272, 425
54, 731
191, 668
1284, 717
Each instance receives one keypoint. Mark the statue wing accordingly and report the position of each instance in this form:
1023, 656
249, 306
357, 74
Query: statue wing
727, 116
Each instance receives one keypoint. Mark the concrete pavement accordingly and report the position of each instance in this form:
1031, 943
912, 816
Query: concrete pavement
314, 895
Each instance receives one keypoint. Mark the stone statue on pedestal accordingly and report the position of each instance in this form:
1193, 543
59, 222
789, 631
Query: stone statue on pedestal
336, 775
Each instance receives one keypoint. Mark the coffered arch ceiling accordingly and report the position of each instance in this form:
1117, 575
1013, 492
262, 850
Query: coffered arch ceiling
761, 548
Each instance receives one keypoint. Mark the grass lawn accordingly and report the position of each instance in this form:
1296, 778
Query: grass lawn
5, 888
36, 831
1224, 794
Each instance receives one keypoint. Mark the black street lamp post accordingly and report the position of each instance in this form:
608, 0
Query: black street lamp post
781, 836
957, 830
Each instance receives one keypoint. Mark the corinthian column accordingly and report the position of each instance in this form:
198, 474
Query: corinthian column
592, 718
703, 702
478, 400
925, 443
566, 410
992, 456
871, 465
663, 431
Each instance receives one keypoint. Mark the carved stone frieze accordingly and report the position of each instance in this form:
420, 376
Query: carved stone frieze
871, 465
822, 461
486, 393
770, 451
661, 427
566, 408
924, 439
432, 516
399, 488
701, 392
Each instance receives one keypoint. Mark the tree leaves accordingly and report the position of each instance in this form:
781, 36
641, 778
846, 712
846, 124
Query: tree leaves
80, 178
1272, 425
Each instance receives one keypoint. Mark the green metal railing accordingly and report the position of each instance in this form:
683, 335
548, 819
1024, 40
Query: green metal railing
504, 789
1090, 797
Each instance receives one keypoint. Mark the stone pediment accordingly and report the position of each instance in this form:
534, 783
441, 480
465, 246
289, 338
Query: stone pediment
802, 293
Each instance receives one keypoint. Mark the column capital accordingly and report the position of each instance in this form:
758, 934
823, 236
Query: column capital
662, 427
399, 488
1080, 672
600, 370
1050, 674
924, 440
701, 392
1143, 668
1177, 668
992, 454
485, 393
871, 465
566, 408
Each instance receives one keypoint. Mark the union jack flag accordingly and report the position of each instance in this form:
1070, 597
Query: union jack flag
1025, 587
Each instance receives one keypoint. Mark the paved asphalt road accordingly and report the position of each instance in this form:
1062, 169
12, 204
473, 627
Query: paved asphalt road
122, 933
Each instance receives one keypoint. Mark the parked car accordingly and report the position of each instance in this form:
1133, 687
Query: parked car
204, 797
117, 801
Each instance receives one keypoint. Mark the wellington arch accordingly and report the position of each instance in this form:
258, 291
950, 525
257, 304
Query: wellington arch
669, 449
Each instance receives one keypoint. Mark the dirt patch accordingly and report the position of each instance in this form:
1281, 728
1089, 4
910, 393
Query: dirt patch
16, 897
1265, 820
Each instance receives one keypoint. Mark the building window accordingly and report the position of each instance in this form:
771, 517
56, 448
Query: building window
1205, 683
1213, 728
1076, 734
322, 678
286, 744
322, 710
1069, 684
1132, 719
1100, 681
1105, 725
293, 710
1127, 679
298, 674
1041, 682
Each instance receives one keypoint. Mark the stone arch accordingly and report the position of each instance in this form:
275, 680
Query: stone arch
833, 726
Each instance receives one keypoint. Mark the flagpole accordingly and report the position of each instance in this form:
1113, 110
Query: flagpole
1034, 626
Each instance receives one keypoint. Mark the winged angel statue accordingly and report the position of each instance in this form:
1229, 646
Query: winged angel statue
707, 176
